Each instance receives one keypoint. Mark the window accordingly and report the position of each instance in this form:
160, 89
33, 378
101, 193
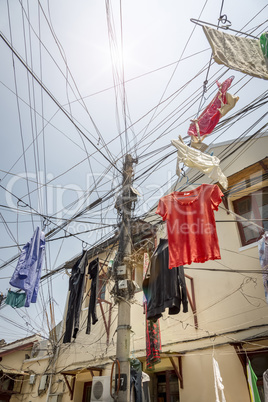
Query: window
253, 206
259, 363
9, 384
137, 276
102, 280
102, 287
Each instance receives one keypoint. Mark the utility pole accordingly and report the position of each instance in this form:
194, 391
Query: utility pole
124, 286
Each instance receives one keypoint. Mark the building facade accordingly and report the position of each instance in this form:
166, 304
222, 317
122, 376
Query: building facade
227, 318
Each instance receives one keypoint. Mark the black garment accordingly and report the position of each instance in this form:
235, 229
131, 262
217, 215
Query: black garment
93, 271
76, 287
135, 379
164, 287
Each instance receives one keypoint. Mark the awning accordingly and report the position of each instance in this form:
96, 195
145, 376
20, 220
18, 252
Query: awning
12, 371
79, 370
74, 372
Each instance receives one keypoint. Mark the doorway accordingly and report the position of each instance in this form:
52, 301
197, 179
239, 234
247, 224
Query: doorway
87, 391
167, 386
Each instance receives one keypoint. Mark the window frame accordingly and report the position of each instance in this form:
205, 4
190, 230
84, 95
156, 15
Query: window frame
256, 212
244, 354
167, 374
100, 292
87, 384
101, 288
12, 389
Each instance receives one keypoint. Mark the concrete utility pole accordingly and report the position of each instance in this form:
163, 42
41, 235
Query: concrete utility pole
124, 286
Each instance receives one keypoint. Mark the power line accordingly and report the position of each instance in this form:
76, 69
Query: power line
18, 106
54, 99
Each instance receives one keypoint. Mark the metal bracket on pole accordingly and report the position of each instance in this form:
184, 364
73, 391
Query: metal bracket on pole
124, 327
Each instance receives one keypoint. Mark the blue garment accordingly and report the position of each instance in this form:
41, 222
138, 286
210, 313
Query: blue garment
28, 270
263, 256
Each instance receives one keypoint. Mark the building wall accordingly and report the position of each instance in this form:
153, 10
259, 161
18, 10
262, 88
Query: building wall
230, 308
248, 153
199, 380
17, 360
230, 305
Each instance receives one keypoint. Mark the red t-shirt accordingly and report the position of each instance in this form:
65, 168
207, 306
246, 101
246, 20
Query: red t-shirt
191, 226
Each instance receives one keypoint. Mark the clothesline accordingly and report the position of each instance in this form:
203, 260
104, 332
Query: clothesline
235, 271
225, 28
159, 222
242, 218
223, 220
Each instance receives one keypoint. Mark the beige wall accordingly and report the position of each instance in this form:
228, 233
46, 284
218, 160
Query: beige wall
249, 153
199, 380
15, 359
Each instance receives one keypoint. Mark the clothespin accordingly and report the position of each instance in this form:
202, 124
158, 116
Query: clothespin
198, 143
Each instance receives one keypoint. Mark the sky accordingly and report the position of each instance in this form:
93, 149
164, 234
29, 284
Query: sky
67, 120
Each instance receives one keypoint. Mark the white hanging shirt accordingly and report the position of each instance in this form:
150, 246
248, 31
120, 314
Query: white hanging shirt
206, 163
219, 387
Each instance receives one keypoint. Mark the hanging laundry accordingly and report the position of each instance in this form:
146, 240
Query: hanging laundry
15, 299
145, 379
146, 263
153, 342
164, 288
263, 257
264, 44
135, 380
217, 108
229, 105
265, 385
191, 227
208, 164
28, 270
198, 144
237, 53
76, 287
93, 271
219, 387
252, 383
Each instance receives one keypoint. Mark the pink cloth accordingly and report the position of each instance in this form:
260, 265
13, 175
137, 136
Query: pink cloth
210, 117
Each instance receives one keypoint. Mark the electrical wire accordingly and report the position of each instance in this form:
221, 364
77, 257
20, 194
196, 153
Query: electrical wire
54, 99
156, 165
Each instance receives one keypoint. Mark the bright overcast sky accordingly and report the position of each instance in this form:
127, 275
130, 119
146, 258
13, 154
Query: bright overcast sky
63, 143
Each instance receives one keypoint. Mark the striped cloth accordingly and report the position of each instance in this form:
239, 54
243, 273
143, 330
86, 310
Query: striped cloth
252, 384
237, 53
